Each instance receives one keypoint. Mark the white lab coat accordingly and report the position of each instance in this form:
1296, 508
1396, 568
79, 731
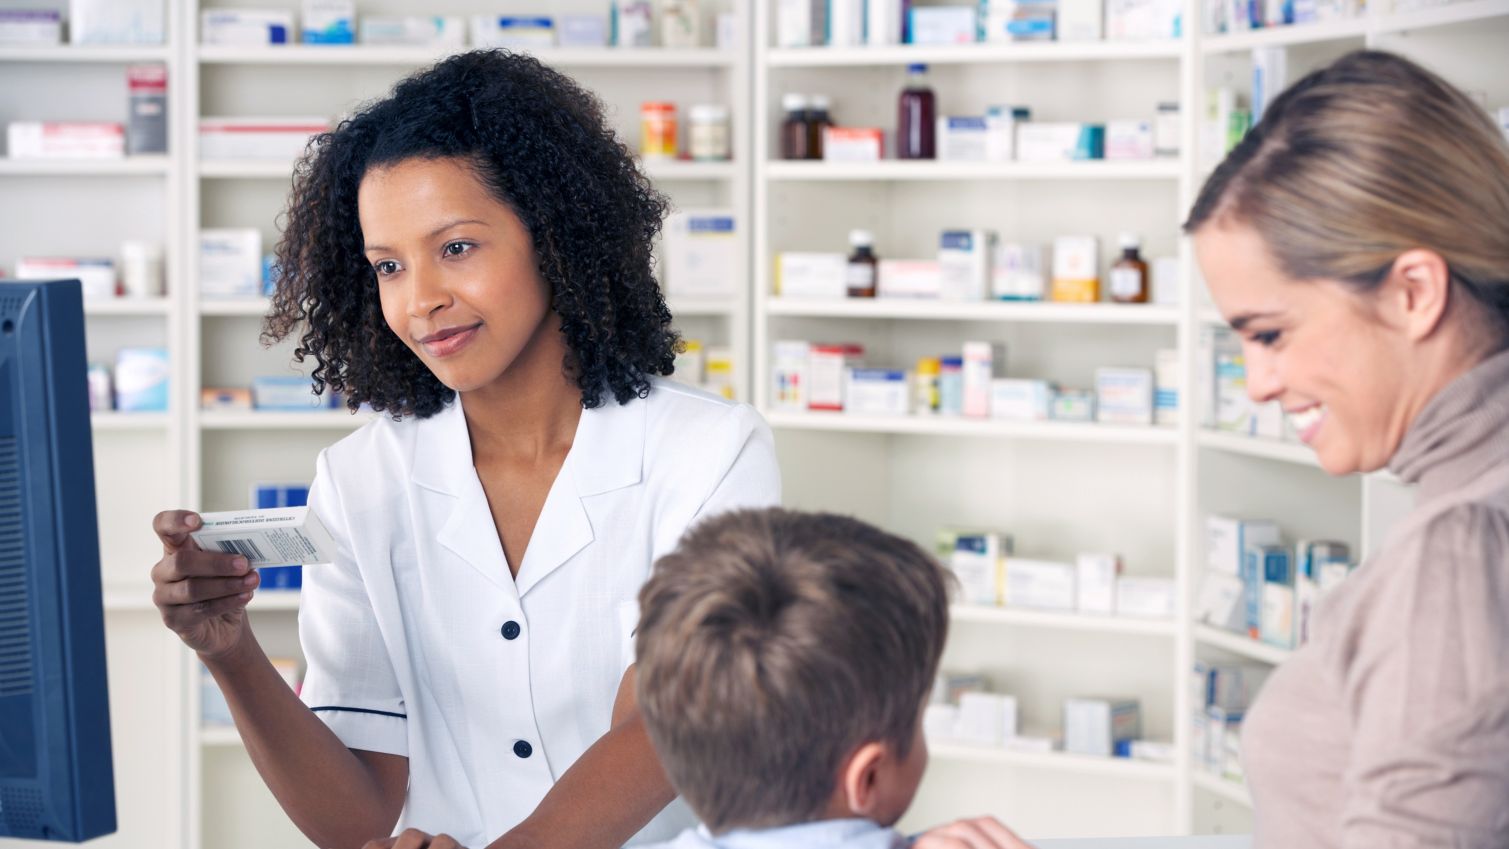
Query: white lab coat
418, 641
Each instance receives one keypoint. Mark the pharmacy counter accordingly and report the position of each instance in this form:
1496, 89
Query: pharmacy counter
1243, 841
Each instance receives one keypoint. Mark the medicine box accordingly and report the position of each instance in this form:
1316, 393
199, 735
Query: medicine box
1040, 584
65, 140
516, 32
583, 31
329, 21
1220, 602
853, 144
981, 360
234, 399
976, 563
939, 25
701, 253
141, 380
630, 24
1145, 598
950, 687
258, 138
117, 21
1020, 272
986, 719
1129, 140
1101, 727
230, 263
1073, 405
1059, 142
246, 27
101, 388
827, 367
691, 363
1226, 539
1000, 132
801, 23
276, 537
719, 377
1020, 400
30, 27
811, 275
1095, 583
1124, 396
1076, 269
413, 30
147, 109
963, 139
1081, 20
789, 375
1166, 380
939, 722
287, 393
95, 276
1259, 564
965, 260
909, 278
877, 392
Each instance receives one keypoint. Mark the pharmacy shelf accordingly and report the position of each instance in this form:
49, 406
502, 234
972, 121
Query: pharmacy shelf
1252, 446
1002, 311
126, 166
1226, 788
1058, 761
1124, 625
217, 736
1348, 29
282, 169
892, 170
957, 426
1446, 14
128, 421
319, 420
684, 170
256, 307
1237, 644
127, 306
711, 307
1211, 315
66, 53
373, 56
973, 54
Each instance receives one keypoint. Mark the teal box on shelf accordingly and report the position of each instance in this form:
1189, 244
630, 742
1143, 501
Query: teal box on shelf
289, 394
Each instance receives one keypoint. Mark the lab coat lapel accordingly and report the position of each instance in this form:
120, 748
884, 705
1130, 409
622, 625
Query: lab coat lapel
448, 486
607, 454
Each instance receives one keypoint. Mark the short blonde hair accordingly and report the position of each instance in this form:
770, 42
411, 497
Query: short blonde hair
771, 645
1363, 160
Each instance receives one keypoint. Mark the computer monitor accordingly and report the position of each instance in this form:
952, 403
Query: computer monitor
56, 779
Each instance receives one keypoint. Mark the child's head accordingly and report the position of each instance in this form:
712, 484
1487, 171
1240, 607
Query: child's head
481, 213
783, 662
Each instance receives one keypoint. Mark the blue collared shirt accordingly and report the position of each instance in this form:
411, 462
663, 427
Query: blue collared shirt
823, 834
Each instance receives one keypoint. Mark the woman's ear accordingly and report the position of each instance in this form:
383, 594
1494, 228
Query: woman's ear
1419, 289
860, 779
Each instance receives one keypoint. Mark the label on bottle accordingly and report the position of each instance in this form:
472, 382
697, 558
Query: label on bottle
861, 275
1126, 282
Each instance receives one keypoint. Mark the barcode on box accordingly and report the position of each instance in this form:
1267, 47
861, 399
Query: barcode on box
244, 547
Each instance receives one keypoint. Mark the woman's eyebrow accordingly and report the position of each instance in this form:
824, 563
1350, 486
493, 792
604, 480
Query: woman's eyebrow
432, 234
1247, 318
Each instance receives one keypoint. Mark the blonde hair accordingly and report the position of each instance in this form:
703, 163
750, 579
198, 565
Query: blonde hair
1366, 159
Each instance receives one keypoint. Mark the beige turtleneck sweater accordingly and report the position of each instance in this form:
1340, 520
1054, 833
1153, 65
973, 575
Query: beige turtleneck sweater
1391, 727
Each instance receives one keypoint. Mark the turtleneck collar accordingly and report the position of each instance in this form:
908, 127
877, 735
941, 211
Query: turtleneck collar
1462, 432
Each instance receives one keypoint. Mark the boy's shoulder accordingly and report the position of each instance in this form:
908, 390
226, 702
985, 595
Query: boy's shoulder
829, 834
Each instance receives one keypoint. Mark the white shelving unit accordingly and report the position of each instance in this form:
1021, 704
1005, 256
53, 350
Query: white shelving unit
1060, 488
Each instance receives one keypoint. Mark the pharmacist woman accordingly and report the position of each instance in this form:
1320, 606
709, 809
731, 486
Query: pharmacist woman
1357, 241
472, 256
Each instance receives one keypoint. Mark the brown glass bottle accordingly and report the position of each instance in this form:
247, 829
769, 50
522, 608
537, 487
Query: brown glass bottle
794, 135
864, 267
817, 121
1129, 282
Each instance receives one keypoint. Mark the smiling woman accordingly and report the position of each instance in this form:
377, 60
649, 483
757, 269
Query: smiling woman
472, 256
1356, 239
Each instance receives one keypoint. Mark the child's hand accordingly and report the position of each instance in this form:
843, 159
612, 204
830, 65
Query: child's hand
976, 833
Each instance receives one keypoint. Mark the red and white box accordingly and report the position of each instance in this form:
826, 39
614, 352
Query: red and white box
257, 138
853, 144
65, 140
827, 366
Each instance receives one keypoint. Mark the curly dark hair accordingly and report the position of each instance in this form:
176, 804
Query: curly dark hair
542, 146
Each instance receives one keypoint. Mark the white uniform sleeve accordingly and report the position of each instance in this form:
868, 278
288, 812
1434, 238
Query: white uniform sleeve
753, 478
349, 683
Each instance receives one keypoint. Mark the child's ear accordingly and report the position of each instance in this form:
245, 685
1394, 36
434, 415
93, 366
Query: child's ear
861, 779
